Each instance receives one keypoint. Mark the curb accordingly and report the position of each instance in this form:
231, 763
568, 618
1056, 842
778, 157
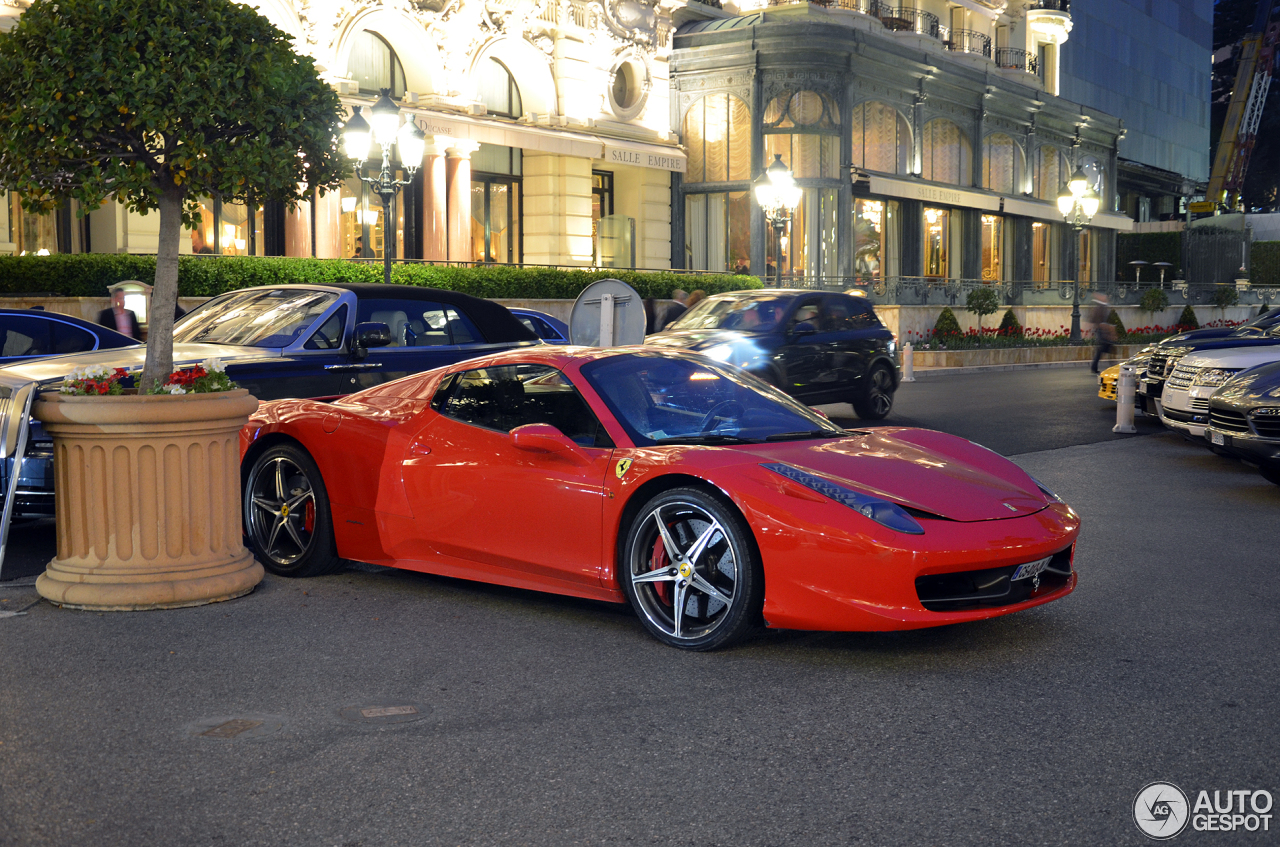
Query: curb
933, 373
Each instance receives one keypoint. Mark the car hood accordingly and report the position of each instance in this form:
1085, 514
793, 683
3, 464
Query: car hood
1232, 357
921, 469
57, 367
1257, 385
696, 339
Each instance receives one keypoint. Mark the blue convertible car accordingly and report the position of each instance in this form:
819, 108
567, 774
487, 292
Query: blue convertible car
321, 341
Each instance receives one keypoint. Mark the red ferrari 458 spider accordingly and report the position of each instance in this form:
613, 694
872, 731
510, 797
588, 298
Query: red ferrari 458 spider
708, 500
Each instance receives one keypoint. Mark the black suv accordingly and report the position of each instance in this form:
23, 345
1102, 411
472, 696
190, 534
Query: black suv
819, 348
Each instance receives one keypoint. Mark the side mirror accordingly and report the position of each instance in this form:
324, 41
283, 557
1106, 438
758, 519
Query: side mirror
370, 334
545, 438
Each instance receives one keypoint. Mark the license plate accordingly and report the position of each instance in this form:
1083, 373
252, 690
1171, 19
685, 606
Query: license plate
1030, 569
1217, 438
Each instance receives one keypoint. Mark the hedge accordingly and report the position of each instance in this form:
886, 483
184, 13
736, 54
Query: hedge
1149, 247
1264, 263
90, 274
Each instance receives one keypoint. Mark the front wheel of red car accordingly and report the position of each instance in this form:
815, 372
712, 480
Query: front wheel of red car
691, 571
286, 514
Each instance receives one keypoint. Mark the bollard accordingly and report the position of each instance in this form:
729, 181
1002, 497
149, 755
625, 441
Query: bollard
1125, 390
908, 363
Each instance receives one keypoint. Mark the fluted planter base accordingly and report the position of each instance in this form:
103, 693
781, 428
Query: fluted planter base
147, 501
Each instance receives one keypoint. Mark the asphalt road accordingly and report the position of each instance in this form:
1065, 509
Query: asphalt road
549, 721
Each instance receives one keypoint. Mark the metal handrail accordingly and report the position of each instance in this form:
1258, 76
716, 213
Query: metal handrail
1051, 5
1017, 60
969, 41
907, 19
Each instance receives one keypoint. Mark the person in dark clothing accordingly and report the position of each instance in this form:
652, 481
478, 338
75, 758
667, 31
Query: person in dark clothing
675, 310
119, 318
1104, 334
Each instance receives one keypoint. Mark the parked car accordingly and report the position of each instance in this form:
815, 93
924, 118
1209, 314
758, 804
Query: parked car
549, 328
1244, 418
1262, 331
1185, 405
819, 348
704, 498
34, 333
320, 341
1110, 378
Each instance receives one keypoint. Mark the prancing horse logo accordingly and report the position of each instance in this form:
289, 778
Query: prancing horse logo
623, 466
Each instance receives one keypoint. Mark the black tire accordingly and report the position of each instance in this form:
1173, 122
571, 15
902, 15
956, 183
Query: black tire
287, 520
721, 585
874, 400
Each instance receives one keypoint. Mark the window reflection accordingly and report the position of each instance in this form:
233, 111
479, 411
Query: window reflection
937, 240
875, 232
992, 247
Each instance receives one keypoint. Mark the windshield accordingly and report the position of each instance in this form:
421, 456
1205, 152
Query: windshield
755, 313
273, 317
662, 400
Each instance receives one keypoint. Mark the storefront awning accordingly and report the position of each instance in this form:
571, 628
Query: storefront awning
549, 140
1049, 212
931, 193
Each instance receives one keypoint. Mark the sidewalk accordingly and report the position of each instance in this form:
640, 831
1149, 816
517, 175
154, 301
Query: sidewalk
933, 373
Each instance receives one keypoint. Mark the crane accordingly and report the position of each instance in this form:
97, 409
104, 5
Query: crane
1248, 96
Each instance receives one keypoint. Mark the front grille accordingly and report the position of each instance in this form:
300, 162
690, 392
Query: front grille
1185, 416
1182, 377
1199, 404
1156, 366
1227, 420
990, 588
1267, 426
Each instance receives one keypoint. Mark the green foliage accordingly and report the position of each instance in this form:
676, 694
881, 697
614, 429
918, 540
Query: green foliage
982, 301
1148, 247
947, 322
1188, 318
1154, 300
1224, 296
1264, 263
1114, 320
90, 274
1009, 323
134, 98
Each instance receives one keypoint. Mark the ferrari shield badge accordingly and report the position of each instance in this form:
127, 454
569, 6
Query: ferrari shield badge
623, 466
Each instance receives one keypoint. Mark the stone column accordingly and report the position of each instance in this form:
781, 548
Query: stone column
297, 231
458, 178
328, 226
435, 201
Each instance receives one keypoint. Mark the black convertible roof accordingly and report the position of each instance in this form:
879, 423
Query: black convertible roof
493, 319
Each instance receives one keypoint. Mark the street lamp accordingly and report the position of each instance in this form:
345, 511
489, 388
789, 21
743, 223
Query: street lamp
777, 194
1078, 203
385, 129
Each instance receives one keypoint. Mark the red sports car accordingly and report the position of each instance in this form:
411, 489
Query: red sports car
708, 500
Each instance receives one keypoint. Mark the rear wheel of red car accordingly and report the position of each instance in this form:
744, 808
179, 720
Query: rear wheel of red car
286, 514
874, 400
691, 571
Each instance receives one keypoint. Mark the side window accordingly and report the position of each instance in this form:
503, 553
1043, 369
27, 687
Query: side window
806, 316
506, 397
71, 339
863, 315
420, 323
25, 337
461, 329
835, 316
329, 335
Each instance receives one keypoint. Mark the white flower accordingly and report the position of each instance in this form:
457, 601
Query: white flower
214, 366
173, 388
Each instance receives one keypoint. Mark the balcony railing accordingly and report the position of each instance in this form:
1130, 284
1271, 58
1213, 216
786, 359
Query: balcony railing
969, 41
1051, 5
906, 19
1017, 60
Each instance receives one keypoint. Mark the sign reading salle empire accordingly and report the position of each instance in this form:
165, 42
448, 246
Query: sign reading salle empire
644, 158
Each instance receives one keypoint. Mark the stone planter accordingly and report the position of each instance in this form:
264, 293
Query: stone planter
148, 500
1014, 355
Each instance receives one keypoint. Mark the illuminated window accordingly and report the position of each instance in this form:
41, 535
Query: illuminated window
1001, 164
937, 242
804, 128
881, 139
1051, 173
992, 247
496, 88
946, 154
717, 134
375, 66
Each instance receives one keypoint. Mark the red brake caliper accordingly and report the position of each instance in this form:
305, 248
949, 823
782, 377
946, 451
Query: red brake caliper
660, 561
309, 517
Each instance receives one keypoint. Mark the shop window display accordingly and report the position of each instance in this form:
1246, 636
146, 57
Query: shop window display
937, 242
495, 204
881, 139
1044, 267
718, 231
807, 248
875, 239
993, 247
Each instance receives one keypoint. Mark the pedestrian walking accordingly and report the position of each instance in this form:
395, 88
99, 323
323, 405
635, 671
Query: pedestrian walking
676, 309
1104, 334
119, 318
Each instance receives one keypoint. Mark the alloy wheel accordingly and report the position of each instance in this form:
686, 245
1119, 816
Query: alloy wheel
281, 510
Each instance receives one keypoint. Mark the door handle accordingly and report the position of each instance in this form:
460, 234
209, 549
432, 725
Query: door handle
420, 448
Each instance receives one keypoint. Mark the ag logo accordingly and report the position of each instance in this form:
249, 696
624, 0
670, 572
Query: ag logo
623, 466
1160, 810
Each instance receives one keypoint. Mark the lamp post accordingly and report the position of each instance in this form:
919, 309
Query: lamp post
1078, 203
777, 193
386, 130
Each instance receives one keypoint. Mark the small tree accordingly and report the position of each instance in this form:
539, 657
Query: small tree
1188, 318
1009, 323
1154, 300
1224, 297
1114, 320
946, 323
158, 103
982, 301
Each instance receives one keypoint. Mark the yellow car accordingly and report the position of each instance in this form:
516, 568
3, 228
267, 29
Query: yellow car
1107, 383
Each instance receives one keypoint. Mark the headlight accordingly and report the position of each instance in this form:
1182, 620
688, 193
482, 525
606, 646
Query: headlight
1215, 376
1052, 497
721, 352
1266, 411
881, 511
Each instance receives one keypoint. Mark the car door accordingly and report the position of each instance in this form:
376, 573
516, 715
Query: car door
846, 350
510, 511
803, 351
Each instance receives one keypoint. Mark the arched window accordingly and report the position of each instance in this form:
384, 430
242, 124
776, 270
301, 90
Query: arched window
375, 66
881, 139
496, 88
1092, 168
804, 128
947, 156
1051, 173
717, 134
1001, 164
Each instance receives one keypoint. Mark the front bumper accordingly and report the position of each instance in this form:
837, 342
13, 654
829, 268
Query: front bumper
1186, 410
